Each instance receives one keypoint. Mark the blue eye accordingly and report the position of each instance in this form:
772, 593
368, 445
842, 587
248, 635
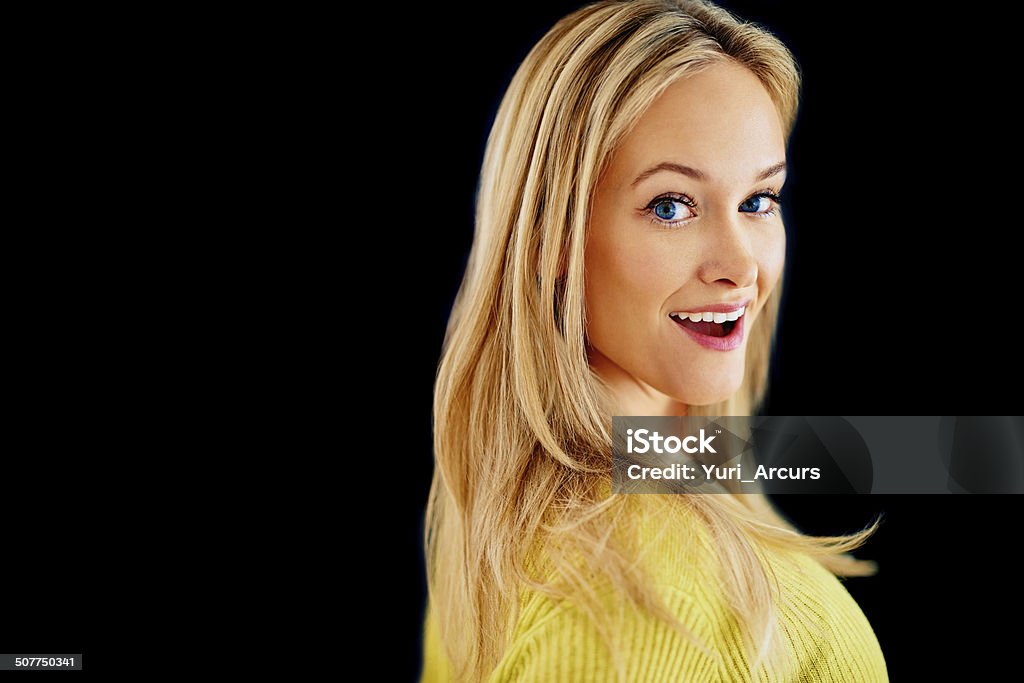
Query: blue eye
672, 209
759, 203
665, 209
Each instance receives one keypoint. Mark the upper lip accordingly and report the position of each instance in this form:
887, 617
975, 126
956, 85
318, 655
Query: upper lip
714, 308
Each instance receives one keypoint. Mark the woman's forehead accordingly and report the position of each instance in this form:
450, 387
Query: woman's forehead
719, 122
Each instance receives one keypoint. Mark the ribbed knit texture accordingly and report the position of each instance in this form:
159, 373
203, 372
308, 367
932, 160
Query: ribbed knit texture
826, 635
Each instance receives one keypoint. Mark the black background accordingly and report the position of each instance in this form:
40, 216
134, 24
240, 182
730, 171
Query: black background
902, 268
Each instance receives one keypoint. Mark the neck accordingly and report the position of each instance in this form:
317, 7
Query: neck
632, 396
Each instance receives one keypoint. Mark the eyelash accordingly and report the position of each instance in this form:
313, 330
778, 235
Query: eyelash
684, 199
767, 193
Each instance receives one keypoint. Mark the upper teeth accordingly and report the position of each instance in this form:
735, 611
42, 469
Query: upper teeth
709, 317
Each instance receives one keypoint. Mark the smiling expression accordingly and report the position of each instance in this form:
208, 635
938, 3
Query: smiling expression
686, 242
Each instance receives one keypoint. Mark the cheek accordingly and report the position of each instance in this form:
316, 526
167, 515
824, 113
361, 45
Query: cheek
628, 277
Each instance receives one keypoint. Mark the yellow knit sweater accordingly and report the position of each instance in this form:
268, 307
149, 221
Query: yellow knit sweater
826, 636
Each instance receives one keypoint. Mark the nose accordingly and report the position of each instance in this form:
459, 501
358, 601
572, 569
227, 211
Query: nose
729, 258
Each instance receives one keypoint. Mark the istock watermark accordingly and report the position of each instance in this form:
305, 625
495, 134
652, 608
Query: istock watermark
818, 454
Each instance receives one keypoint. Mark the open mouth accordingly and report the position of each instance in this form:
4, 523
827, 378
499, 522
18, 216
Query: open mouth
712, 329
711, 324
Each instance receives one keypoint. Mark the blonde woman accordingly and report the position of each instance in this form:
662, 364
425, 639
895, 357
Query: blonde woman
627, 257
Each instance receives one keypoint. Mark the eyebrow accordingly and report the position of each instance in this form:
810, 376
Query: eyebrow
697, 174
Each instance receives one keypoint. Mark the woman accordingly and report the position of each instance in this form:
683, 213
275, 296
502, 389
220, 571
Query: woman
628, 251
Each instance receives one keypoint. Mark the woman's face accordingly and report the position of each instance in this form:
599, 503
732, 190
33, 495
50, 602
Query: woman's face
686, 242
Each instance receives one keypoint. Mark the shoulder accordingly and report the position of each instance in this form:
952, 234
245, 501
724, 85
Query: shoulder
826, 631
560, 641
567, 645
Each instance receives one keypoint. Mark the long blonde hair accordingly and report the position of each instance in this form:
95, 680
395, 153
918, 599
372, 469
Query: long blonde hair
521, 423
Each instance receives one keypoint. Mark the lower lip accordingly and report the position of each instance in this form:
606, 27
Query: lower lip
726, 343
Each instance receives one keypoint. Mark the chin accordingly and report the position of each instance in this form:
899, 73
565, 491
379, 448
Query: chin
707, 392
